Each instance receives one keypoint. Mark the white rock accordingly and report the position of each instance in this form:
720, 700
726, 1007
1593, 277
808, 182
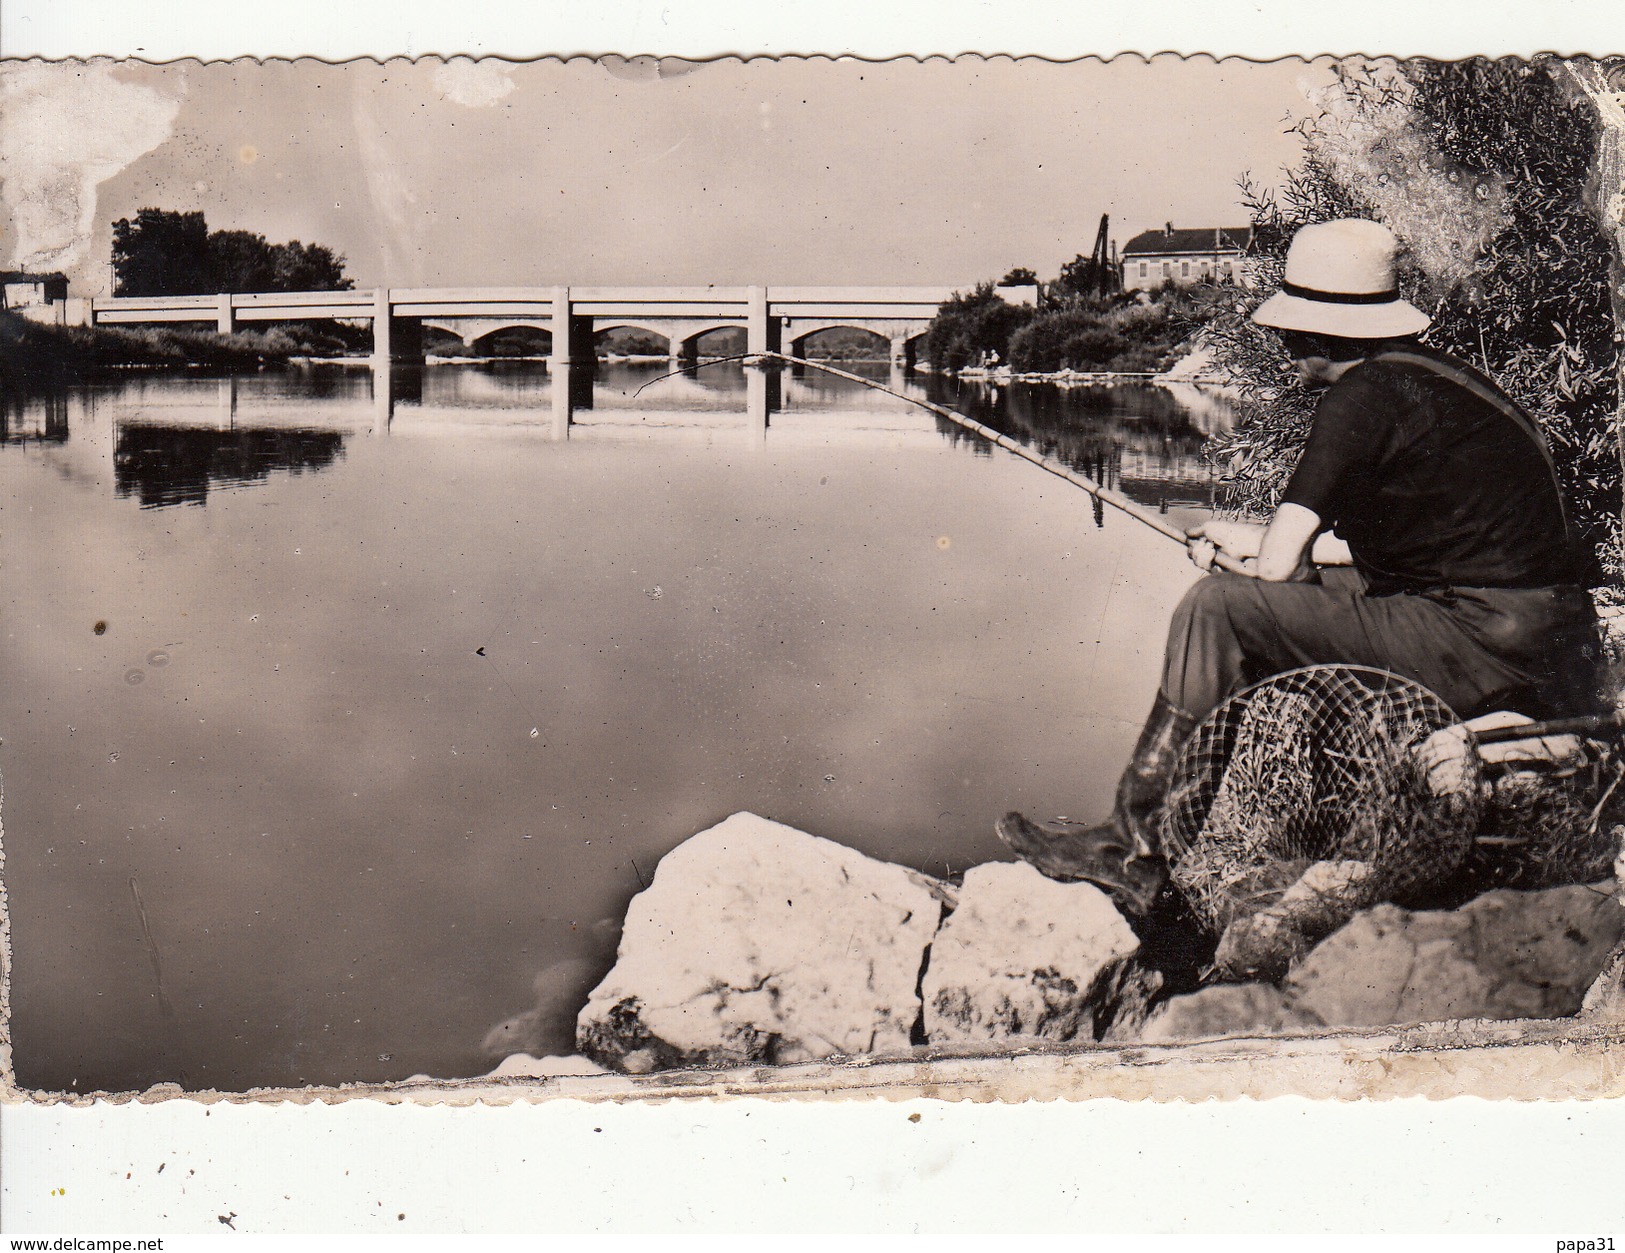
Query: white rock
524, 1066
756, 942
1505, 954
1023, 955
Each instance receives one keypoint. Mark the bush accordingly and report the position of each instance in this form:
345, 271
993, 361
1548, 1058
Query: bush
1107, 336
967, 328
1070, 339
35, 355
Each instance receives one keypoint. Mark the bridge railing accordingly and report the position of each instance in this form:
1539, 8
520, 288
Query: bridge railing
580, 298
767, 313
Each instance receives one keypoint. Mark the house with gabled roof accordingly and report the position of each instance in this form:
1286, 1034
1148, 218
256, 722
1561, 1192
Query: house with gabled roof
1185, 255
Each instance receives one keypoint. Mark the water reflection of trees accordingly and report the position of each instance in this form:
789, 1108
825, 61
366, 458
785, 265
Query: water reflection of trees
163, 466
1137, 440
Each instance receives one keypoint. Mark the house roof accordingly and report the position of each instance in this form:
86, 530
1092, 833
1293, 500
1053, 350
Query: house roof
1189, 239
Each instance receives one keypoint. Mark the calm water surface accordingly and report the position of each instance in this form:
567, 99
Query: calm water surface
337, 716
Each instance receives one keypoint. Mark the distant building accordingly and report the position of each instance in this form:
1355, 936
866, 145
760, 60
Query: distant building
18, 289
1186, 255
43, 298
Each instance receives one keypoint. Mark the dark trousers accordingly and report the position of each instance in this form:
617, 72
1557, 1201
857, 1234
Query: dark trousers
1532, 650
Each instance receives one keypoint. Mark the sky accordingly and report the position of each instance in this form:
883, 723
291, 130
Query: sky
804, 171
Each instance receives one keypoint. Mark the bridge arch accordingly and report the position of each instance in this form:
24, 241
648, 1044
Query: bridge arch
485, 340
795, 339
621, 324
450, 333
906, 347
798, 331
475, 333
902, 337
686, 342
451, 328
653, 329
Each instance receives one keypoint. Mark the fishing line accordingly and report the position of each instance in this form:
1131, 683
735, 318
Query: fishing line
535, 730
1104, 494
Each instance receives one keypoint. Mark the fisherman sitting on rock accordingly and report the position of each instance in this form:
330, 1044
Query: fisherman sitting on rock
1464, 574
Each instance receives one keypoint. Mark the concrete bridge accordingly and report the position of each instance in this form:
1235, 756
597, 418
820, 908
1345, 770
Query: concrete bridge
774, 318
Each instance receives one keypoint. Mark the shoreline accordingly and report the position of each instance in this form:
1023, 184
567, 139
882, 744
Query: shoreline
1086, 378
1193, 369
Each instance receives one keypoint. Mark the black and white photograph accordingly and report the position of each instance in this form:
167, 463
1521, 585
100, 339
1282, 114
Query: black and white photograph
621, 577
589, 568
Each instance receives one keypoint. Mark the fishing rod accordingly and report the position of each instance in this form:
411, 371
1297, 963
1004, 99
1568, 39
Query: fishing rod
1603, 726
1103, 494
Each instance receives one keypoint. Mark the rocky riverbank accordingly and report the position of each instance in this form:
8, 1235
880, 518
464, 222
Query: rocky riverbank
760, 944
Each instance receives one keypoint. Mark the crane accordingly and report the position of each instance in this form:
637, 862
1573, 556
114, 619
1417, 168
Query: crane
1101, 270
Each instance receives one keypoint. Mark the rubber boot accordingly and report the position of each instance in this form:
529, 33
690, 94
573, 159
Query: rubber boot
1121, 854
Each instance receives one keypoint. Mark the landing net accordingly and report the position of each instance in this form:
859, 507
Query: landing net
1318, 765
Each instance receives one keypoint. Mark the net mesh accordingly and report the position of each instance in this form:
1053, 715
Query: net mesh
1542, 828
1316, 768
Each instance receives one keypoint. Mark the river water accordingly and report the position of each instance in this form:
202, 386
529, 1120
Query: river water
342, 716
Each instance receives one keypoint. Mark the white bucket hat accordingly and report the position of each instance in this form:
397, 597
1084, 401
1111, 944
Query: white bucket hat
1340, 281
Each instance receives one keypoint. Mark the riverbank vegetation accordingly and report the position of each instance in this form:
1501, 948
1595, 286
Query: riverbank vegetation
1070, 330
160, 252
1109, 334
1483, 169
36, 355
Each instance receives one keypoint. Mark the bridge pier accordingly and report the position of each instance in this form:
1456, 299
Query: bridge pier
762, 333
226, 403
763, 398
570, 392
394, 339
572, 335
583, 352
558, 378
380, 330
406, 340
393, 383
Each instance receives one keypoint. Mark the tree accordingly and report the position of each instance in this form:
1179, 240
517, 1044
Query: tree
1482, 169
161, 253
307, 267
165, 253
1082, 276
240, 261
1021, 276
968, 328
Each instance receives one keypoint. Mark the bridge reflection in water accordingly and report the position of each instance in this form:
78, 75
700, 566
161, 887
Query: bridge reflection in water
566, 392
168, 440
